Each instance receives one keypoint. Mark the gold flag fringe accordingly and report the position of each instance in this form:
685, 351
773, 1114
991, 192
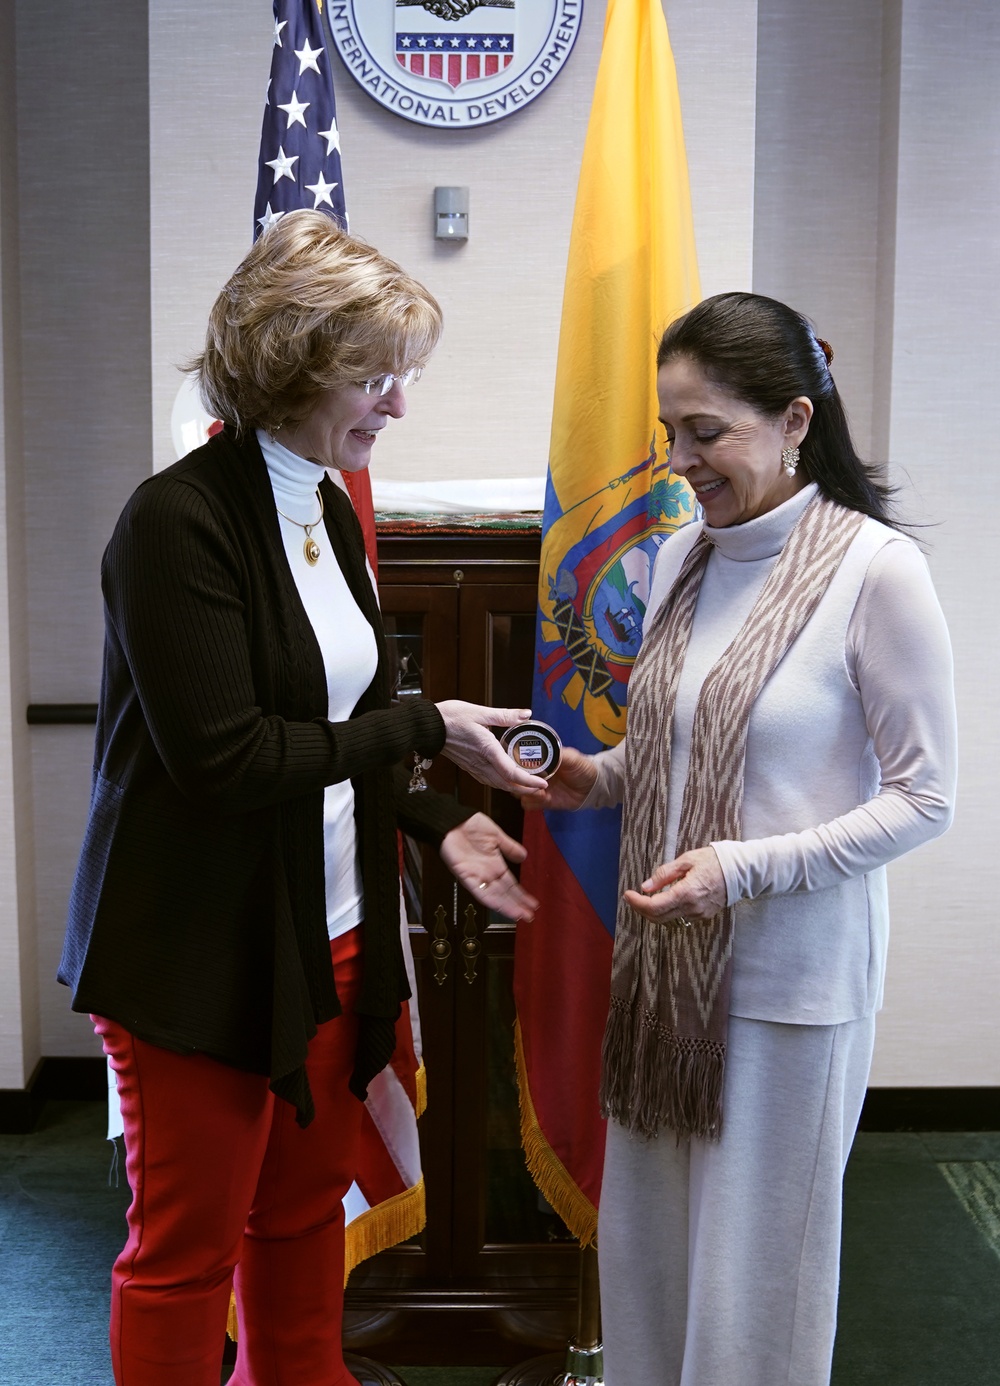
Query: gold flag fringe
545, 1166
420, 1078
395, 1220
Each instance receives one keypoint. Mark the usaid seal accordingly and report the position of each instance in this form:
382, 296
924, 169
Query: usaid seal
534, 746
454, 63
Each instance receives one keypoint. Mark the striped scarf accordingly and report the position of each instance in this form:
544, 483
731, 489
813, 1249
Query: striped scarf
665, 1043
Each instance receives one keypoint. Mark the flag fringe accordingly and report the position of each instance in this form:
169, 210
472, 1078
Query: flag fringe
544, 1165
420, 1079
395, 1220
392, 1221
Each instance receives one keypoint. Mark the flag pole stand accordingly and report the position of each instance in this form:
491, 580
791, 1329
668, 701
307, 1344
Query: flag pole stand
371, 1373
583, 1362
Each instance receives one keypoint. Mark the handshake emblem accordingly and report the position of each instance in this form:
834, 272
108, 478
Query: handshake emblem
453, 10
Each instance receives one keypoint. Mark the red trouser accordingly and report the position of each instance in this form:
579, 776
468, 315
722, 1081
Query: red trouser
222, 1178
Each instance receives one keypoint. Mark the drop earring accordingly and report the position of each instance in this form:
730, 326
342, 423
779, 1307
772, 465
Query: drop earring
789, 460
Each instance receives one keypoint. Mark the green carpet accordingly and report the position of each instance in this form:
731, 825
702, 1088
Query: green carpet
920, 1293
920, 1280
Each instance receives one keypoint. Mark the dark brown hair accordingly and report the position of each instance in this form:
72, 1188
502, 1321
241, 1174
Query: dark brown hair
766, 354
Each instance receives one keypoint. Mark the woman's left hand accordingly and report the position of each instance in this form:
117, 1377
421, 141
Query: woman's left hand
474, 853
691, 887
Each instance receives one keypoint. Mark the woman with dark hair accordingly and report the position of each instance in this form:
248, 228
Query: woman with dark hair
234, 926
791, 730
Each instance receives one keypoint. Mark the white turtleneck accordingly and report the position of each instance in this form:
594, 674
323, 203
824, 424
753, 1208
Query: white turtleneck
850, 760
347, 643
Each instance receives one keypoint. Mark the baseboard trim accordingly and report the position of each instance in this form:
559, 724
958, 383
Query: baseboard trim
931, 1109
885, 1109
74, 1080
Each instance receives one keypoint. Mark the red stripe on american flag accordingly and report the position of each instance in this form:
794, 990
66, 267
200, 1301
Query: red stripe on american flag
435, 64
454, 69
492, 64
417, 64
401, 59
472, 67
508, 59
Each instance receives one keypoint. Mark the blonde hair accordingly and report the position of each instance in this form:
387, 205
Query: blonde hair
309, 309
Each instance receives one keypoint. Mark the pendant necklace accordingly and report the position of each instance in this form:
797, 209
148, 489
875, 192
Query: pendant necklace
310, 548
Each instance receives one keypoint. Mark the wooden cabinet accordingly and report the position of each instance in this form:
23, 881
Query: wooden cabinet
459, 611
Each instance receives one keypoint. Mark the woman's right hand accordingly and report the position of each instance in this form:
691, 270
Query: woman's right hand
473, 747
569, 787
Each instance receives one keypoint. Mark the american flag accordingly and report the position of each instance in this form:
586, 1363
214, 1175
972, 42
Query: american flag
454, 58
299, 162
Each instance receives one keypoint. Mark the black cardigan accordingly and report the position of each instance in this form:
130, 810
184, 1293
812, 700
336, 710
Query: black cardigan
198, 913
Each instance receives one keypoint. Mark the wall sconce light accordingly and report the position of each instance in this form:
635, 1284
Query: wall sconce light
451, 214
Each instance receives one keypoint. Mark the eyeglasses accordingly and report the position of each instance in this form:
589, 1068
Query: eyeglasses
382, 384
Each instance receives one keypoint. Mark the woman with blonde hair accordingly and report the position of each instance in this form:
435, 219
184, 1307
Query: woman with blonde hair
234, 923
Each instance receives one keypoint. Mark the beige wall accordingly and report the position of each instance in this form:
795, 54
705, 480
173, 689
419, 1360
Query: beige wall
842, 157
484, 406
20, 1043
940, 1024
83, 187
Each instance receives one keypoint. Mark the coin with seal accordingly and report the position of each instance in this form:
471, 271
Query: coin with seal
534, 746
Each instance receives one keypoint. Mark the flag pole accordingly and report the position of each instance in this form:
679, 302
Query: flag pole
583, 1361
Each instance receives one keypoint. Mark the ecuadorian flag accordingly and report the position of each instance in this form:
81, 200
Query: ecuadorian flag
611, 500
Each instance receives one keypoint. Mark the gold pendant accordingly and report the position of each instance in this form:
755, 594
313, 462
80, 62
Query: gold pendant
311, 550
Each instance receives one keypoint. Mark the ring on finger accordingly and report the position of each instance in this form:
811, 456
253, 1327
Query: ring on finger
682, 920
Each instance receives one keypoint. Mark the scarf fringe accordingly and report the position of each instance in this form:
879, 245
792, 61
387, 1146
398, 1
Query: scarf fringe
654, 1078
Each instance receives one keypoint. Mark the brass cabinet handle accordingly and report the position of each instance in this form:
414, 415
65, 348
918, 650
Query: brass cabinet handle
470, 945
440, 946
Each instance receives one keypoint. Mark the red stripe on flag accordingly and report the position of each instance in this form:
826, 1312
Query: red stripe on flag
562, 1023
472, 66
507, 59
435, 65
401, 59
454, 69
417, 64
378, 1178
492, 64
359, 488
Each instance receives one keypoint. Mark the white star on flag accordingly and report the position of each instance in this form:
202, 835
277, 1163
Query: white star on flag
470, 43
439, 43
487, 43
308, 58
404, 43
269, 218
422, 42
332, 137
504, 43
278, 26
454, 43
295, 107
321, 191
282, 165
